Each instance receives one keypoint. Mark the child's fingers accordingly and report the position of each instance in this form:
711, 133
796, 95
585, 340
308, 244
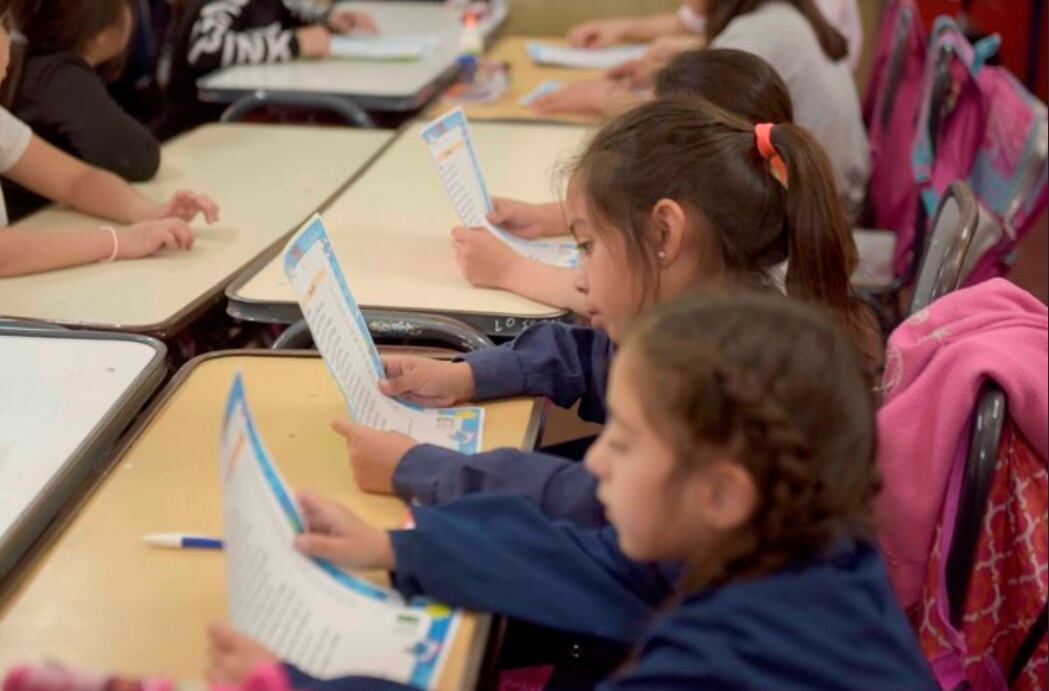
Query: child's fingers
345, 429
211, 208
501, 211
399, 385
463, 235
394, 365
318, 513
323, 546
183, 235
167, 239
222, 637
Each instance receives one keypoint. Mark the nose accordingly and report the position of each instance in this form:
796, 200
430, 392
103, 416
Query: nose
594, 458
582, 282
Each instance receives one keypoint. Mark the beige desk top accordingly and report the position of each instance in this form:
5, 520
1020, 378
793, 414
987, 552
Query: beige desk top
97, 596
267, 180
391, 228
525, 76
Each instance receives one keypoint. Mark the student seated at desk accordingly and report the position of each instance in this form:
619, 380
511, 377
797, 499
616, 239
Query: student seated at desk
673, 194
737, 471
212, 34
808, 53
38, 166
670, 34
737, 81
63, 96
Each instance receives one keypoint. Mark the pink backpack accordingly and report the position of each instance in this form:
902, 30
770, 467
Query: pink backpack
890, 110
989, 131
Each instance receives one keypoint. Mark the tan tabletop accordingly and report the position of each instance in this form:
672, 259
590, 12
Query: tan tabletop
267, 179
97, 596
525, 76
391, 230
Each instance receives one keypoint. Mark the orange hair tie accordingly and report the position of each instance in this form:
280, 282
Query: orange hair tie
777, 168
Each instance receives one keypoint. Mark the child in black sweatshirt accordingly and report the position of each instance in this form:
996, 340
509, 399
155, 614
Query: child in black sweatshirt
212, 34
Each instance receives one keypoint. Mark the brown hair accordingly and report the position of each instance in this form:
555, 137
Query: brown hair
721, 12
772, 385
735, 80
52, 26
707, 161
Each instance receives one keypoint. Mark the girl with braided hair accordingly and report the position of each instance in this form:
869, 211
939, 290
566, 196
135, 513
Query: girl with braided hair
737, 469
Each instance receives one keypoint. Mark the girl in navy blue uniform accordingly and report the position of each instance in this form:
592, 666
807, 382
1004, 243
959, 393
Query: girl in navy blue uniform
674, 192
737, 471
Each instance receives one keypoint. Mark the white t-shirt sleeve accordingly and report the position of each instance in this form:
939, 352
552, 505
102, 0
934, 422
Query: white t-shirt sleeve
14, 138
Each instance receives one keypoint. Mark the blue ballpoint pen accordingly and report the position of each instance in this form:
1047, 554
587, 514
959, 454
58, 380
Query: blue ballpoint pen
181, 541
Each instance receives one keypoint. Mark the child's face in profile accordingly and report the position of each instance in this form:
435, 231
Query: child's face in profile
613, 294
652, 504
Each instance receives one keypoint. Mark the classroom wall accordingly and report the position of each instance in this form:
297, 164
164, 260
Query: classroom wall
1021, 33
555, 17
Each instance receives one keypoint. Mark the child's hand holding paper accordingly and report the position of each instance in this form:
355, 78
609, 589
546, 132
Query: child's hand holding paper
374, 454
428, 382
336, 534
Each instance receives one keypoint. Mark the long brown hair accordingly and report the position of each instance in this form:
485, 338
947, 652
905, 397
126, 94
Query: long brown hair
775, 386
721, 12
706, 159
52, 26
735, 80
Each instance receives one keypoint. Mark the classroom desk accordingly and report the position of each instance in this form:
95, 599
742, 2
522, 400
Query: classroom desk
267, 178
391, 227
525, 76
65, 397
380, 86
97, 596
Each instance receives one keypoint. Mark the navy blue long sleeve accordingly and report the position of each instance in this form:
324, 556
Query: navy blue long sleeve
829, 623
500, 554
564, 363
560, 488
567, 364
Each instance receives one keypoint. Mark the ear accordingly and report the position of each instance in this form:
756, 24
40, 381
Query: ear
727, 495
670, 223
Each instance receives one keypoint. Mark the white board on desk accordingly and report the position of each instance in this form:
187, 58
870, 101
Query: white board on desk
55, 393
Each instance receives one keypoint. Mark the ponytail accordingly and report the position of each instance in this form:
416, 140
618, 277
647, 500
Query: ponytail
822, 250
721, 12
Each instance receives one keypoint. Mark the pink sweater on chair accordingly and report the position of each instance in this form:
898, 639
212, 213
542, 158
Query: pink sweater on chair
935, 364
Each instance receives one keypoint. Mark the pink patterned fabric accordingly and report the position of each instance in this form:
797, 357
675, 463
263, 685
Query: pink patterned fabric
1009, 585
936, 362
525, 679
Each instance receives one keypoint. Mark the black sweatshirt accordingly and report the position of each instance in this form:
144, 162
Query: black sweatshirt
213, 34
65, 102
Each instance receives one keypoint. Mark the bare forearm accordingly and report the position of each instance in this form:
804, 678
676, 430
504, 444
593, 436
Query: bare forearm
551, 285
100, 193
24, 251
650, 28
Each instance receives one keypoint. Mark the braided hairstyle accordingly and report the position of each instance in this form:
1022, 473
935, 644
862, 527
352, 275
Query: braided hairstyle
774, 385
